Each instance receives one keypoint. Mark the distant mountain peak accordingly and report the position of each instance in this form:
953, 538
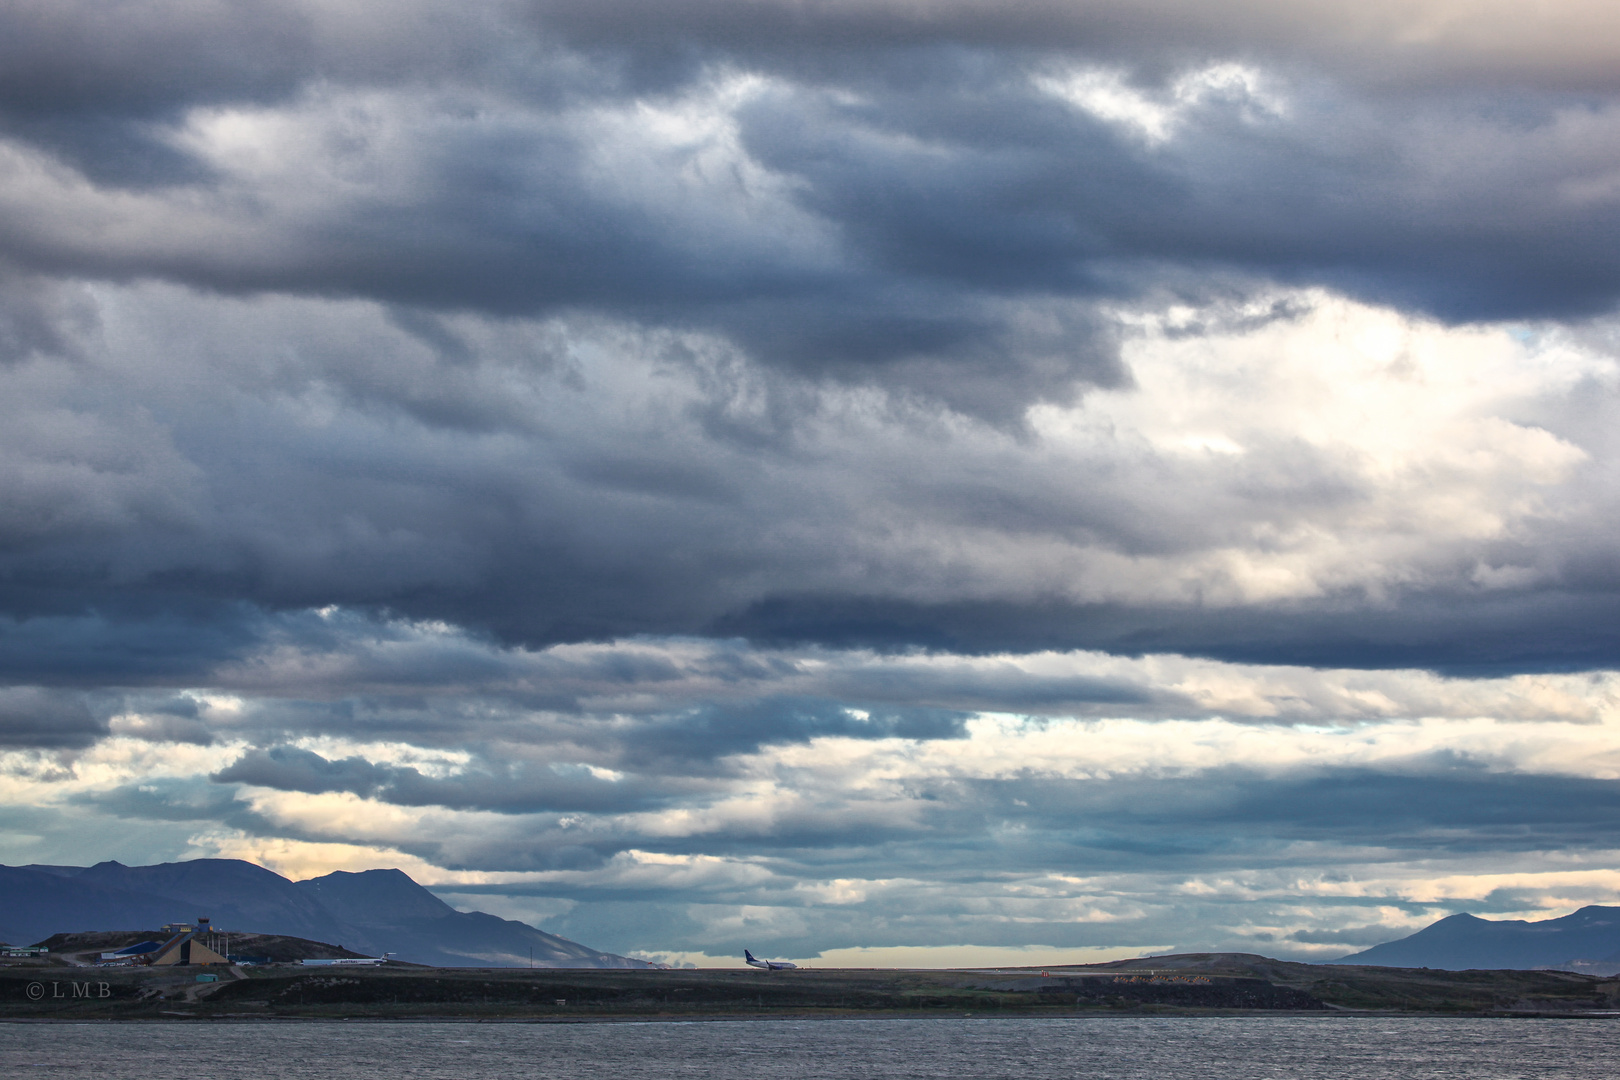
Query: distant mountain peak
1585, 940
376, 911
375, 896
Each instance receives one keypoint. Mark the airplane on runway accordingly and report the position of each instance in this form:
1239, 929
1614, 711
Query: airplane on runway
768, 965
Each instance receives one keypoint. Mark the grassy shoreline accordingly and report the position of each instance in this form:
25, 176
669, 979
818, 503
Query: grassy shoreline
1200, 984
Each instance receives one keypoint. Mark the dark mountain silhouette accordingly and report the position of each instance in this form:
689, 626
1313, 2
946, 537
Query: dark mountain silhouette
374, 896
376, 911
229, 891
1588, 940
386, 905
36, 902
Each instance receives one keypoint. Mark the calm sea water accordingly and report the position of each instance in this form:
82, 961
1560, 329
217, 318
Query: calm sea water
1219, 1048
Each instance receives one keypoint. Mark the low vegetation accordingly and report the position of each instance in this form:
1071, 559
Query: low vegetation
1182, 984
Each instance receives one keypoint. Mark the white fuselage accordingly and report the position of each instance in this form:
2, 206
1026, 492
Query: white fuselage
770, 965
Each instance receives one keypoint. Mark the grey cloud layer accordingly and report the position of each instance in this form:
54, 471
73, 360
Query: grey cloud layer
591, 763
34, 717
189, 462
795, 202
1382, 42
936, 180
625, 732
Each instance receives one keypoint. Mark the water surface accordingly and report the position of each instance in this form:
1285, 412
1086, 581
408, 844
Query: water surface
1105, 1048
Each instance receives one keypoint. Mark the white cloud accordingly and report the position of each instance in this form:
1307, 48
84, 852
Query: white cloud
1156, 115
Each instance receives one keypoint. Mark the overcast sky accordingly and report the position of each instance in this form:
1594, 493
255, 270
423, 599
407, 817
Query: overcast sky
917, 481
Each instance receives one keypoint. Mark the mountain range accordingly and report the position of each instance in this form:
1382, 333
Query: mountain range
1588, 941
374, 911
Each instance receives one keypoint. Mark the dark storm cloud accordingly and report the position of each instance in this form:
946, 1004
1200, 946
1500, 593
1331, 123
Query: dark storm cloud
154, 639
902, 202
946, 191
1235, 817
173, 800
80, 80
66, 56
35, 717
669, 754
984, 181
513, 789
1136, 839
287, 768
1222, 821
690, 699
1389, 44
950, 202
716, 730
1540, 630
39, 318
99, 83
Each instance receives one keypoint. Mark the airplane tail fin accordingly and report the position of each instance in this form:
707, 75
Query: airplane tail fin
747, 955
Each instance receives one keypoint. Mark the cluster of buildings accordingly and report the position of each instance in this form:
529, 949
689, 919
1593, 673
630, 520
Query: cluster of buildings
14, 951
199, 945
186, 944
196, 944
